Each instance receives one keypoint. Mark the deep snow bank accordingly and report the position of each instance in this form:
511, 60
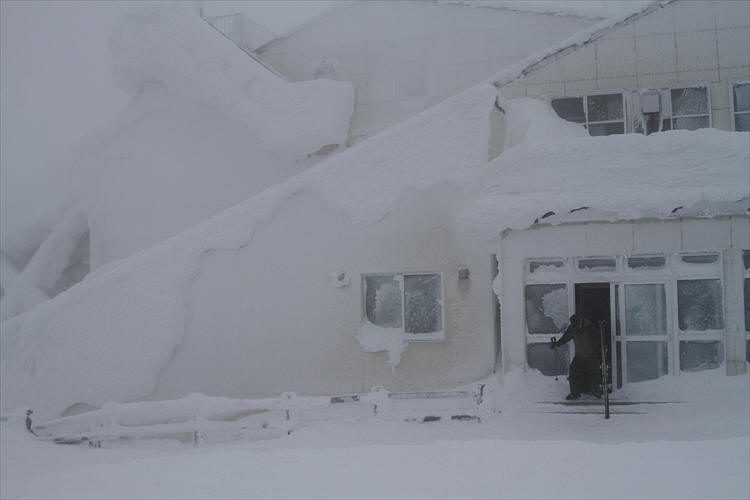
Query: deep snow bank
107, 338
123, 323
169, 43
207, 126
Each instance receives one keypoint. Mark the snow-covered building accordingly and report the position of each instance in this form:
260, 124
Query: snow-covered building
447, 247
403, 57
676, 299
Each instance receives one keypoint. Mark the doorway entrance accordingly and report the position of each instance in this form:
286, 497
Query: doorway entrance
593, 302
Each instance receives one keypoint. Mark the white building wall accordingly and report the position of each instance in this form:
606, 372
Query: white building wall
403, 57
266, 319
726, 235
683, 43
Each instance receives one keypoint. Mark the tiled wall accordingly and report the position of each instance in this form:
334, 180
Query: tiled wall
685, 42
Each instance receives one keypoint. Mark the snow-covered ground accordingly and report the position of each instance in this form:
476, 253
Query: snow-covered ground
695, 447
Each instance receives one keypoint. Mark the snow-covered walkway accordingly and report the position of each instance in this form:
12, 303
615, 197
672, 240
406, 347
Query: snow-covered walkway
696, 449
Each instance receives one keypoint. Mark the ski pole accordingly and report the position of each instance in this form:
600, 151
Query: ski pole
604, 370
557, 357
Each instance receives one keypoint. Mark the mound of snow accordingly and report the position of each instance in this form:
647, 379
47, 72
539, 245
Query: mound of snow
168, 43
123, 323
207, 126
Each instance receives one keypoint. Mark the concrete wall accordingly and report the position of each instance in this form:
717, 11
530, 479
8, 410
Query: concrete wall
403, 57
266, 319
683, 43
729, 236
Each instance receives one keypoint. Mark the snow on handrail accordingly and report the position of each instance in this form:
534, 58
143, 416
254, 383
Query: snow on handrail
197, 418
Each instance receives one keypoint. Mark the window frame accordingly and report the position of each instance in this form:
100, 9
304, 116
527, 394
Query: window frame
584, 97
668, 275
668, 92
733, 111
631, 106
407, 336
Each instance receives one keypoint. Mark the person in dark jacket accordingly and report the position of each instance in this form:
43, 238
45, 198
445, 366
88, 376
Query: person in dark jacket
583, 375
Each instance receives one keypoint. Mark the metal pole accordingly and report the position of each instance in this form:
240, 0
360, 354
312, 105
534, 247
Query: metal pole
604, 370
557, 357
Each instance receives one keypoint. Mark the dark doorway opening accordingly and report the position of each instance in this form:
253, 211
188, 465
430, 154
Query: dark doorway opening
592, 302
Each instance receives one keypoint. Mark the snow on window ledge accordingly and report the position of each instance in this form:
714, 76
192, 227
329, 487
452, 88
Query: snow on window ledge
375, 338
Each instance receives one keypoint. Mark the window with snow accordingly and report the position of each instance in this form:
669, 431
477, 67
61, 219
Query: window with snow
601, 114
689, 109
741, 106
546, 308
546, 316
699, 305
412, 303
597, 264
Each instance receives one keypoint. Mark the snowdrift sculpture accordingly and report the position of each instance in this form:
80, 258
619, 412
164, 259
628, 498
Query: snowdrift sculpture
207, 126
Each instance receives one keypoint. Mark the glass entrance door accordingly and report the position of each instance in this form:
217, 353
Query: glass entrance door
641, 347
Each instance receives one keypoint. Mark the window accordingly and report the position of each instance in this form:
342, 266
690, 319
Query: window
594, 264
412, 303
546, 308
546, 315
741, 106
689, 109
699, 305
709, 258
539, 266
647, 262
601, 114
696, 355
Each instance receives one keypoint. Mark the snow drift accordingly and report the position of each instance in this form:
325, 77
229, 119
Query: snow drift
124, 323
207, 126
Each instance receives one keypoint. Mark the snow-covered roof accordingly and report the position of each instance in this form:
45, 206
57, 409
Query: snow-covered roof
593, 10
580, 39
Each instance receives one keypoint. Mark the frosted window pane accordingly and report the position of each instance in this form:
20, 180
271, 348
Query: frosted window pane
701, 259
646, 360
546, 308
424, 310
599, 129
746, 259
698, 355
618, 351
699, 305
540, 265
646, 262
742, 122
546, 360
645, 310
569, 108
689, 101
605, 107
383, 301
691, 123
597, 264
742, 97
